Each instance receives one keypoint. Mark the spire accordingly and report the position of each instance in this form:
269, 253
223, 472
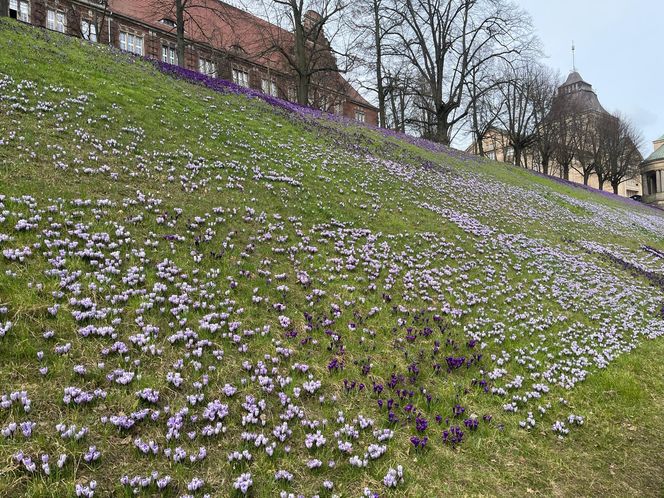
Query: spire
573, 57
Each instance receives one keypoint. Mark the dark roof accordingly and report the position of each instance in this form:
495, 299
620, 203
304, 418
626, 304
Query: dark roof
574, 77
577, 95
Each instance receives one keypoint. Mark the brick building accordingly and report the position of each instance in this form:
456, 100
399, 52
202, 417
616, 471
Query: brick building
221, 40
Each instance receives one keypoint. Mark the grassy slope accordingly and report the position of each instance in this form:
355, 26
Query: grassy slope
618, 451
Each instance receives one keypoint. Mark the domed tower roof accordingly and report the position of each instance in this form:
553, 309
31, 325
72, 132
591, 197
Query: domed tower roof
577, 95
574, 77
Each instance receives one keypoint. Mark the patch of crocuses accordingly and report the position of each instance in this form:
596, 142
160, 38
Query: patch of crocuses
247, 335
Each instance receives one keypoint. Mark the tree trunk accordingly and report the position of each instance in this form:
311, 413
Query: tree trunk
303, 89
586, 177
100, 22
442, 133
565, 171
615, 187
395, 113
600, 182
479, 144
517, 156
179, 21
379, 66
545, 166
303, 75
4, 8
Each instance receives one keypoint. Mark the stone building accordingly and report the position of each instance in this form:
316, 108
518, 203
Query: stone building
575, 95
221, 41
652, 175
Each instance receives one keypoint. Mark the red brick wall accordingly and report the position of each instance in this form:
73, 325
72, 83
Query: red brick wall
370, 114
153, 39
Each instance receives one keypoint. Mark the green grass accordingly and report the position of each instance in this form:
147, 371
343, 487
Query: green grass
343, 176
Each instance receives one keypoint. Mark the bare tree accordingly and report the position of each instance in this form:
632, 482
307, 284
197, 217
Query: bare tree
305, 42
398, 97
519, 116
565, 146
188, 15
620, 146
585, 128
545, 131
484, 108
446, 42
374, 24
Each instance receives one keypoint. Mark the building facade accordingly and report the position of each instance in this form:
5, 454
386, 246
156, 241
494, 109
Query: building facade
221, 41
574, 97
652, 175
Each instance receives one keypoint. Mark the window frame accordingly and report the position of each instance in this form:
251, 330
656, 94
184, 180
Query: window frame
90, 34
18, 8
269, 87
59, 21
207, 67
169, 54
236, 72
130, 42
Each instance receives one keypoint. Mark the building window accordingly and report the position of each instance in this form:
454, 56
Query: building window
241, 77
19, 9
131, 43
88, 30
269, 87
360, 116
168, 54
292, 94
207, 67
56, 20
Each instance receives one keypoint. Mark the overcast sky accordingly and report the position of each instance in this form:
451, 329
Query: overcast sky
619, 50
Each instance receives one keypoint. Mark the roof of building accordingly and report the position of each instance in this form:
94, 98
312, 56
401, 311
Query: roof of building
211, 22
227, 28
576, 95
658, 155
574, 77
660, 139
